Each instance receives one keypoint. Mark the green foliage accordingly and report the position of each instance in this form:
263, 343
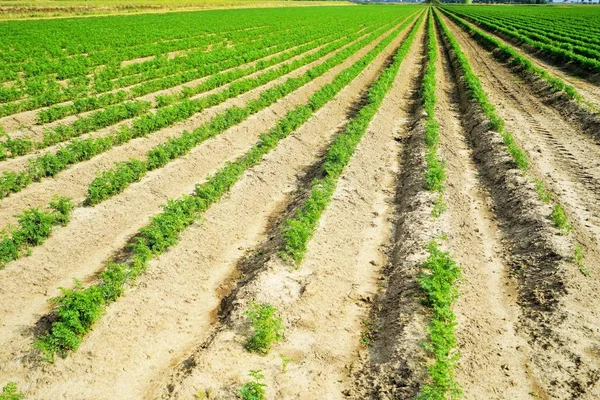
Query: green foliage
10, 392
577, 259
34, 227
267, 327
543, 193
438, 283
560, 219
254, 389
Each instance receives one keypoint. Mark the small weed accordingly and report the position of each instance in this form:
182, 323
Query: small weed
10, 392
439, 206
254, 389
541, 190
284, 362
267, 327
204, 394
560, 219
577, 259
368, 332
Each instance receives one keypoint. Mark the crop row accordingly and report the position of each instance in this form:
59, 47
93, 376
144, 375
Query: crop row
195, 67
507, 52
90, 103
549, 47
518, 155
114, 181
77, 310
116, 113
440, 272
79, 150
298, 229
34, 227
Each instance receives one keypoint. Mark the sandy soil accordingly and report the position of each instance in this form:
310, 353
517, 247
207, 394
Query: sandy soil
96, 233
339, 272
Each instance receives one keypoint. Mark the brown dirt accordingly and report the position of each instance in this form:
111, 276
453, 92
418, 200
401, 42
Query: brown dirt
96, 233
493, 356
555, 315
339, 272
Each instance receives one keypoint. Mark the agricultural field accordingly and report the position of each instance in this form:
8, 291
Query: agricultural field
345, 202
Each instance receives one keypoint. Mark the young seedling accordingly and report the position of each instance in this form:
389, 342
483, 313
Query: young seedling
577, 259
267, 327
254, 389
9, 392
560, 219
284, 362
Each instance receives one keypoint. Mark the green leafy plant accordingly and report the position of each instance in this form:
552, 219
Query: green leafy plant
560, 219
254, 389
577, 259
438, 283
267, 327
10, 392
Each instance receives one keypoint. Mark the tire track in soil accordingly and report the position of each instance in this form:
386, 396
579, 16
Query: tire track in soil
339, 272
493, 356
74, 181
567, 159
558, 312
178, 297
589, 91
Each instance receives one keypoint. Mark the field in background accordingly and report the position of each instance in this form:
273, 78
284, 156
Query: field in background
345, 202
19, 9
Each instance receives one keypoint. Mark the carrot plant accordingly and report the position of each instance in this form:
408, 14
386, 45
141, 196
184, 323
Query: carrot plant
267, 327
255, 388
438, 283
78, 309
10, 392
34, 227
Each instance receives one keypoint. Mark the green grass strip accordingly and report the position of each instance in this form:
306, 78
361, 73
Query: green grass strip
298, 230
78, 309
50, 164
438, 283
475, 91
114, 181
34, 227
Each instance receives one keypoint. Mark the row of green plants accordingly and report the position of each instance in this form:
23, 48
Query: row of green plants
508, 52
299, 229
435, 174
518, 155
228, 49
62, 133
79, 308
217, 79
559, 28
34, 227
50, 164
550, 47
114, 181
217, 59
440, 272
527, 28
